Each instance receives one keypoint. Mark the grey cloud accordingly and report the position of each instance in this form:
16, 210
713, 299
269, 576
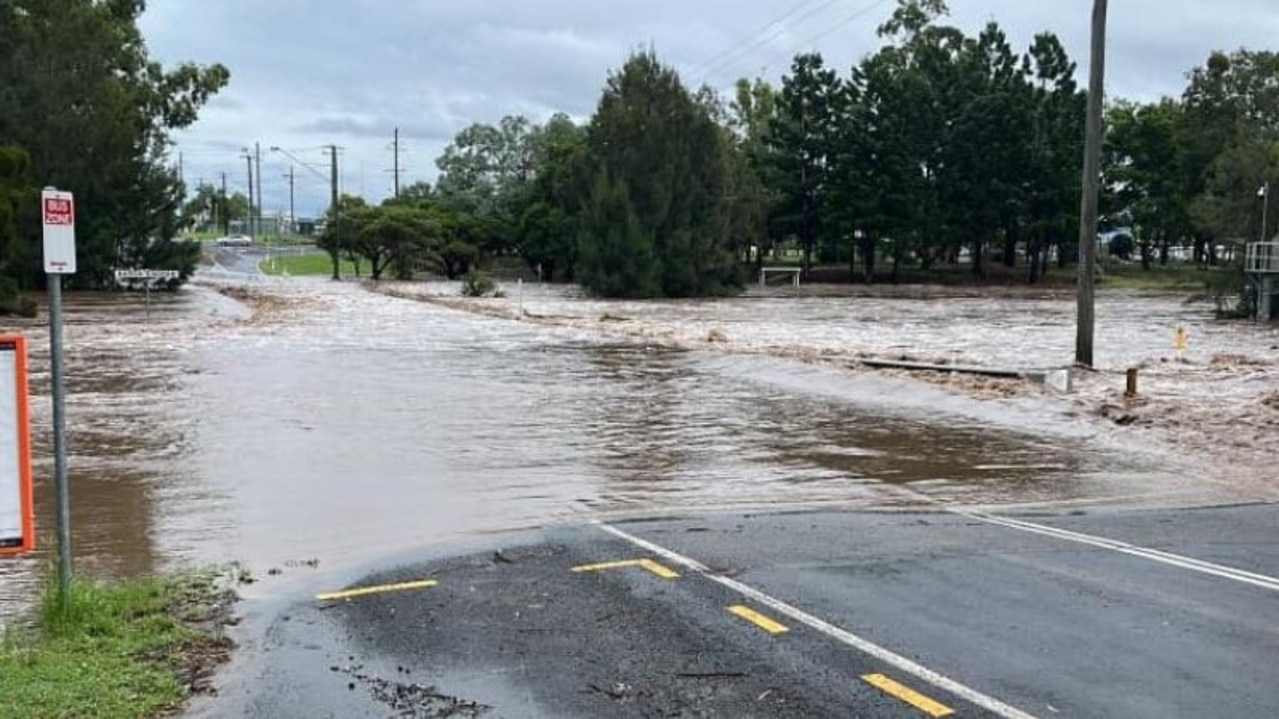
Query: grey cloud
379, 127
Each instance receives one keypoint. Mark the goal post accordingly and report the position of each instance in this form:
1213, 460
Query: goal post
793, 273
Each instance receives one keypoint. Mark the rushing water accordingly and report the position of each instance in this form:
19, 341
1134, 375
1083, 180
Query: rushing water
343, 425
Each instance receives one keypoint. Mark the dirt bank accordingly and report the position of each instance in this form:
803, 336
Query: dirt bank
265, 306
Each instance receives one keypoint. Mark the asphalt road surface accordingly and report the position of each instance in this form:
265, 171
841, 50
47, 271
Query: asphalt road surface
1105, 614
244, 261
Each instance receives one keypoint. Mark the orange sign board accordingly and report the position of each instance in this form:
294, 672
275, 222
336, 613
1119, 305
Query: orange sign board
17, 509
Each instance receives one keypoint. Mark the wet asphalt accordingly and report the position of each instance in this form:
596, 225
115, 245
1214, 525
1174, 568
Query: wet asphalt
1100, 614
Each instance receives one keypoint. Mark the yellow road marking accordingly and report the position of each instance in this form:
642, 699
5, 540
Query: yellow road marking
910, 696
758, 619
656, 568
659, 569
348, 593
607, 565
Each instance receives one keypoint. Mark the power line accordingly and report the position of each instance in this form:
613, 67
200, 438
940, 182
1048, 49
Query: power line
745, 49
731, 49
842, 23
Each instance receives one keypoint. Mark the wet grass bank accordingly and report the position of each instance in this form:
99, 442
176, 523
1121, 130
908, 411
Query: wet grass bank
129, 650
1174, 277
310, 264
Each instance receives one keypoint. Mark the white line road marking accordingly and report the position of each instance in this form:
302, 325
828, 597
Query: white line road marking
1176, 560
841, 635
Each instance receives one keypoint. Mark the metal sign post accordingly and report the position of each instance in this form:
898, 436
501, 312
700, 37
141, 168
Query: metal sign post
17, 513
58, 214
147, 277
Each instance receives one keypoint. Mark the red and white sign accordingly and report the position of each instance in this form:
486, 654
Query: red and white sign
58, 211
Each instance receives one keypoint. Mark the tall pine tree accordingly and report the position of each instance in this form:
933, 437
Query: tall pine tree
654, 223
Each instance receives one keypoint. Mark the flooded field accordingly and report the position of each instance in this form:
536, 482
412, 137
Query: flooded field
305, 420
1217, 404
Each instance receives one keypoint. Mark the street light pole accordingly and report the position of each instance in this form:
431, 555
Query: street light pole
248, 161
225, 217
257, 161
1265, 210
1086, 326
293, 219
333, 207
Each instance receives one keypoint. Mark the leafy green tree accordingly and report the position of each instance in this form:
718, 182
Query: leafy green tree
878, 176
341, 232
950, 143
395, 236
1144, 143
80, 94
802, 139
1231, 130
1231, 206
653, 221
1052, 198
15, 192
618, 258
208, 209
753, 110
548, 225
485, 173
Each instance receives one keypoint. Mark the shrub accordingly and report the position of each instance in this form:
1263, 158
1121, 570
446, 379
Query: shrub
478, 284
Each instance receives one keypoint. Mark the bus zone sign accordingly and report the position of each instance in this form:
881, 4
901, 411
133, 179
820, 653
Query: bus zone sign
57, 210
17, 510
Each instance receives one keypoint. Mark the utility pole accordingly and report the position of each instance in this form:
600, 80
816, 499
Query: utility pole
248, 160
293, 219
397, 162
257, 160
333, 206
1087, 321
225, 216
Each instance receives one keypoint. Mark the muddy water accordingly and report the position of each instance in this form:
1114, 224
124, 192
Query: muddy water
342, 426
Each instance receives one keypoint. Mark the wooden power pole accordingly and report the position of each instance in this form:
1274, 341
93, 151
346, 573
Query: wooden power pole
333, 204
1087, 321
396, 169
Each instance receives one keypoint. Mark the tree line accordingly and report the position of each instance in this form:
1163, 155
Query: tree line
939, 149
85, 109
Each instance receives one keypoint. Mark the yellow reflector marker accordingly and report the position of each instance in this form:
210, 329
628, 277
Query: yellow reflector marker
362, 591
758, 619
910, 696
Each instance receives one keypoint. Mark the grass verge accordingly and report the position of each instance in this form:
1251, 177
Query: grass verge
311, 264
1176, 277
131, 650
1173, 277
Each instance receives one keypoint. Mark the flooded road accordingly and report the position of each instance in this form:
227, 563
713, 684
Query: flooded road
340, 425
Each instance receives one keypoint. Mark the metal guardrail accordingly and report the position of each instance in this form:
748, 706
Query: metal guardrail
1262, 258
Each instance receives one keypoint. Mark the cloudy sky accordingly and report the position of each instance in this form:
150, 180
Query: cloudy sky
307, 73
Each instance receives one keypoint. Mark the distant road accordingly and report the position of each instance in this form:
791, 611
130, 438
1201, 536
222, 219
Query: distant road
1149, 614
244, 261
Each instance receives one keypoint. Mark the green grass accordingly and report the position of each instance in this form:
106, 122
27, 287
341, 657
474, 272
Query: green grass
311, 264
1177, 277
111, 652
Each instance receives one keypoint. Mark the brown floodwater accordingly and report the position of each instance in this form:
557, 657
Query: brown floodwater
343, 425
